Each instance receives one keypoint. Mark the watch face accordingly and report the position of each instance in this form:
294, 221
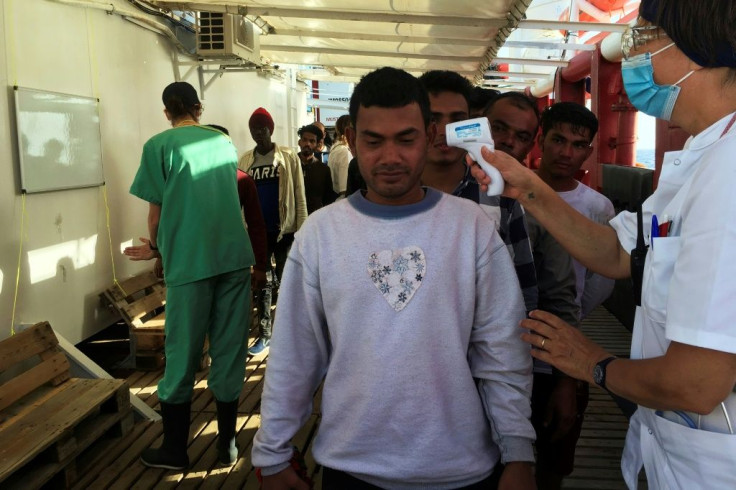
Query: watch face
598, 374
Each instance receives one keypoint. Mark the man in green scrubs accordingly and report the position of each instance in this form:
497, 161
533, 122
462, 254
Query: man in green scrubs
188, 176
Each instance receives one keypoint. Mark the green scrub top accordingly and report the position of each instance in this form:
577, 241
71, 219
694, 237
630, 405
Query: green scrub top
190, 171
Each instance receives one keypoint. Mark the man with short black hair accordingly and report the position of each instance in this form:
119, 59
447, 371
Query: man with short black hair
514, 120
318, 187
322, 152
446, 171
411, 325
567, 133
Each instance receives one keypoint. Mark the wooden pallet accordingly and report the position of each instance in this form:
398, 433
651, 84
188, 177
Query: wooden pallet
50, 423
121, 469
140, 301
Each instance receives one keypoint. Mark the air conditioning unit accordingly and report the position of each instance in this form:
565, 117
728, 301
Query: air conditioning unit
222, 35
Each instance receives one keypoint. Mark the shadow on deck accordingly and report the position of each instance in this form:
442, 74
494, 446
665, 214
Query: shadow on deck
597, 462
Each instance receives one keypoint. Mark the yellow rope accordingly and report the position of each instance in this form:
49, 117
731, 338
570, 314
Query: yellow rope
94, 73
109, 240
20, 256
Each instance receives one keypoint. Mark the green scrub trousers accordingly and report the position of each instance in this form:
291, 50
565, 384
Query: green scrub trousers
218, 306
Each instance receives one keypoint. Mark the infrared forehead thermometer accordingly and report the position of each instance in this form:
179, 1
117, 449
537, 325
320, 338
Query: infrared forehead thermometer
471, 135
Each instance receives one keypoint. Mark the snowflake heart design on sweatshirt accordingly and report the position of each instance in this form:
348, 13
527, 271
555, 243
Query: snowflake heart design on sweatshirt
397, 274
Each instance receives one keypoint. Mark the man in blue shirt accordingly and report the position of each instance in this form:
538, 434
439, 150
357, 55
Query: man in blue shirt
278, 176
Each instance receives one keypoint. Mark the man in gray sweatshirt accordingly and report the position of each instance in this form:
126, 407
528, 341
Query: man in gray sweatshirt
405, 301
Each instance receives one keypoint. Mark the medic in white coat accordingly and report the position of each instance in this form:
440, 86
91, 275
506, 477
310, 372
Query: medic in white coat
682, 369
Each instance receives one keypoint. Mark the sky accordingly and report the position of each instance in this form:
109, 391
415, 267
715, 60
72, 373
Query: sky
645, 132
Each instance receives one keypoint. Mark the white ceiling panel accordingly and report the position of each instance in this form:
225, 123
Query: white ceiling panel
352, 37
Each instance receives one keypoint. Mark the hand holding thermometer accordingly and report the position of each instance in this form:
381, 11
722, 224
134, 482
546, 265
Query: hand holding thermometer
472, 135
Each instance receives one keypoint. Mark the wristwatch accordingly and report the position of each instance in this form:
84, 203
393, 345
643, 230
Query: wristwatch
599, 371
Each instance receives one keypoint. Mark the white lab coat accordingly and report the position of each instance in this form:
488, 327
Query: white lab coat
687, 296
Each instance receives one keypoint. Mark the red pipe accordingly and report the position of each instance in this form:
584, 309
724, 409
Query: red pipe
615, 141
578, 68
315, 95
626, 141
569, 91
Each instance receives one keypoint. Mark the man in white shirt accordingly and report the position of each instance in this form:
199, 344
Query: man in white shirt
568, 130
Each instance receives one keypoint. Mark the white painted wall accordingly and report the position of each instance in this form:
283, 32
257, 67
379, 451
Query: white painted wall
66, 258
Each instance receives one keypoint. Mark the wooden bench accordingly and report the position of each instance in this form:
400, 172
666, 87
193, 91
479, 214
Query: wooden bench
140, 301
50, 423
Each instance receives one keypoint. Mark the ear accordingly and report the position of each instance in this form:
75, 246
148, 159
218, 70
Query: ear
350, 134
167, 114
589, 151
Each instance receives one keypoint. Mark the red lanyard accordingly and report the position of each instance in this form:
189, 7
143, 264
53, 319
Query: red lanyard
730, 123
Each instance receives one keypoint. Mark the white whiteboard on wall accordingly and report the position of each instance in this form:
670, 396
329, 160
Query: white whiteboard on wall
58, 140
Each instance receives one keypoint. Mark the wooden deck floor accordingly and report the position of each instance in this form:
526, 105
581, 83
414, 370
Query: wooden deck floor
597, 462
598, 454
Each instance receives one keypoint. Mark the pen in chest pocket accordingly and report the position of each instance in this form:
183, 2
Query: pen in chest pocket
660, 230
655, 230
664, 227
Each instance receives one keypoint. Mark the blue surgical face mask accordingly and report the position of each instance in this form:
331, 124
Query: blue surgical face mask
647, 96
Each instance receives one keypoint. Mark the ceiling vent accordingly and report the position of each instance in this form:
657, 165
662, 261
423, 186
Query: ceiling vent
222, 35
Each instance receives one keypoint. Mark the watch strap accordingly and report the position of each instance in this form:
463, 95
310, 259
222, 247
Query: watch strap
601, 367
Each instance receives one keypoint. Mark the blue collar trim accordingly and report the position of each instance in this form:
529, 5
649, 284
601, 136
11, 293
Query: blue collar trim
363, 205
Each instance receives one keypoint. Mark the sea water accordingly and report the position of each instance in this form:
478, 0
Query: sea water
645, 157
